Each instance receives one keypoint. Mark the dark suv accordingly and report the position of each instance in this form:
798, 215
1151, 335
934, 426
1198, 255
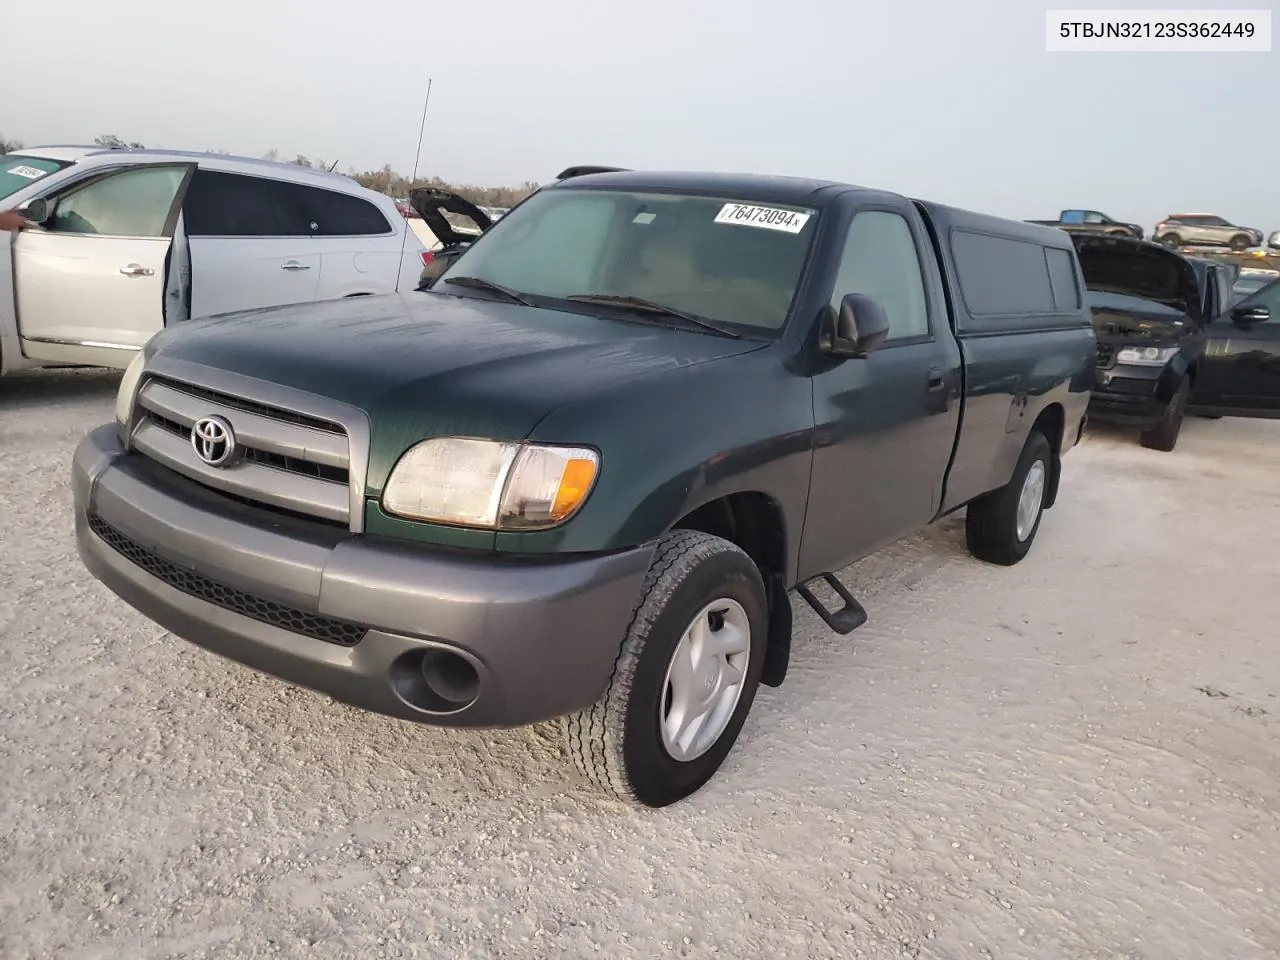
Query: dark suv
1204, 229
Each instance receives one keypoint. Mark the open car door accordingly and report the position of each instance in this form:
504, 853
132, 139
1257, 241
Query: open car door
1240, 372
90, 277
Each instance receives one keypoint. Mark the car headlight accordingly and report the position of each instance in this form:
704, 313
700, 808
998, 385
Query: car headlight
128, 391
1147, 356
489, 483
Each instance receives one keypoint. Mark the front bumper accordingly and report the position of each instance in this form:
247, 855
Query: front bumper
1131, 395
353, 617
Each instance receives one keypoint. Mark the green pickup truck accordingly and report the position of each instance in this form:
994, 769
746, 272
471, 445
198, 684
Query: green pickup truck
582, 476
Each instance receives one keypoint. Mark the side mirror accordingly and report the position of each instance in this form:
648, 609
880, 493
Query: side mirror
1245, 316
857, 328
37, 210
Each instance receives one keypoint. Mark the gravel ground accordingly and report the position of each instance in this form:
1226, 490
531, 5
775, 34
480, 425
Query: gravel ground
1075, 757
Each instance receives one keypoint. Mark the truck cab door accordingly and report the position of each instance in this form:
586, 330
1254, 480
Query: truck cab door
886, 423
1240, 371
89, 282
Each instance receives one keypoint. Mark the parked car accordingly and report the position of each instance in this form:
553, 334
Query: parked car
1092, 221
1153, 310
454, 220
406, 208
126, 242
1240, 372
1273, 241
1204, 229
580, 476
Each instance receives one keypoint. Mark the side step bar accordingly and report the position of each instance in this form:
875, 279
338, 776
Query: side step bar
845, 620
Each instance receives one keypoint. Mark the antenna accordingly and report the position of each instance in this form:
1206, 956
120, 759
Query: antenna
422, 129
333, 166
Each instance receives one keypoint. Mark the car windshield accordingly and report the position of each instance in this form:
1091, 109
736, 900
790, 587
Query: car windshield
730, 261
18, 171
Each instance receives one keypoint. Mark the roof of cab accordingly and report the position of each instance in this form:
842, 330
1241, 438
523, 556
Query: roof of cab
794, 190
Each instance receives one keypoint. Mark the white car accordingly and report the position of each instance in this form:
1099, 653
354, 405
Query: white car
129, 241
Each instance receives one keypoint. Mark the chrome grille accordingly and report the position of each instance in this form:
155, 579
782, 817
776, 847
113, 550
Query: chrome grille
288, 461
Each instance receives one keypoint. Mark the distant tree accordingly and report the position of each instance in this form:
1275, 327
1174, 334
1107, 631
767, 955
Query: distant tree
112, 142
273, 155
9, 146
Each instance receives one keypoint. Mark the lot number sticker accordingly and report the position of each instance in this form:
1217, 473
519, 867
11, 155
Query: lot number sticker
767, 218
31, 173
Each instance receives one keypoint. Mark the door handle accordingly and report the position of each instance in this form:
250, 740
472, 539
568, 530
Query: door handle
294, 265
136, 270
936, 380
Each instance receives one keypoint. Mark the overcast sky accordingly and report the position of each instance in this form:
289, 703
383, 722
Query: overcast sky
952, 101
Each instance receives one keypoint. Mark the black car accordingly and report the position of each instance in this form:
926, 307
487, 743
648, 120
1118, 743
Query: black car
1166, 330
1239, 375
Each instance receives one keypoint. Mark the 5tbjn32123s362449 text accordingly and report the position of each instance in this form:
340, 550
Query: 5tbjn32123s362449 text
1159, 30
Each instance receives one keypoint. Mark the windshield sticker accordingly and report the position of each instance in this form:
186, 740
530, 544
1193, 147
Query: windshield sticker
767, 218
644, 218
31, 173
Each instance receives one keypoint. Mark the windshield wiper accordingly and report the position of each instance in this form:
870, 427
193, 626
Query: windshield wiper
652, 306
480, 283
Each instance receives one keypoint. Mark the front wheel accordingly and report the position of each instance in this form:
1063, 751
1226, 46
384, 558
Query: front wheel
1240, 242
1165, 436
1000, 526
685, 678
1171, 240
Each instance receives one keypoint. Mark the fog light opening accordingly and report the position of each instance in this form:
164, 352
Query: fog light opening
450, 677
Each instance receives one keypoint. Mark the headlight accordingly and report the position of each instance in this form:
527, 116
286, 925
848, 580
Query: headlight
129, 389
1147, 356
487, 483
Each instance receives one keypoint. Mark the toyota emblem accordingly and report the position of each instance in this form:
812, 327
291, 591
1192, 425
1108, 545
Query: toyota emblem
213, 441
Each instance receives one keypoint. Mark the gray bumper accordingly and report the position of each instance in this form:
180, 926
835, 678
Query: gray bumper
259, 588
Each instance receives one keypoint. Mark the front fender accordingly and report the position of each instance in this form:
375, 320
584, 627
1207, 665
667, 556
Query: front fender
670, 445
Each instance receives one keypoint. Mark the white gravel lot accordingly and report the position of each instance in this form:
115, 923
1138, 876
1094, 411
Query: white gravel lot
1072, 758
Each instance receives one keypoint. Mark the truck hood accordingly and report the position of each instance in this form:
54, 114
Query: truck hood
1137, 270
426, 364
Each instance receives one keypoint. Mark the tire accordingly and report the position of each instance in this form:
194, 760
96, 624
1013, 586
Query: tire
1171, 240
1240, 242
1165, 436
618, 743
992, 523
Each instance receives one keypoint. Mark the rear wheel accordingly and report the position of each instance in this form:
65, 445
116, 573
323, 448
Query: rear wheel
1165, 436
685, 678
1000, 526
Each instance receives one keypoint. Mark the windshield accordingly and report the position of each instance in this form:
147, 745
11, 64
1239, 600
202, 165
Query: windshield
731, 262
17, 171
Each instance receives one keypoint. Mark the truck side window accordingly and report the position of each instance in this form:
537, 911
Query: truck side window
880, 260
